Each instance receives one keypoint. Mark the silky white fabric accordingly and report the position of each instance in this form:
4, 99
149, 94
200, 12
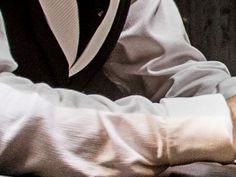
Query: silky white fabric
63, 141
59, 132
154, 57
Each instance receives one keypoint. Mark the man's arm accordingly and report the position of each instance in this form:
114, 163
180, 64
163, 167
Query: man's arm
232, 106
49, 140
58, 132
154, 57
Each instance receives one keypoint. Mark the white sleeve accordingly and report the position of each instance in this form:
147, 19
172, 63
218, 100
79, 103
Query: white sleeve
58, 132
39, 137
154, 57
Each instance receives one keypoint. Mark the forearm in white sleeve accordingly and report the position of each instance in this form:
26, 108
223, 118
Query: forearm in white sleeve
154, 57
59, 132
49, 140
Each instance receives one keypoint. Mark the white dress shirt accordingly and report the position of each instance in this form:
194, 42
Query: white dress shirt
60, 132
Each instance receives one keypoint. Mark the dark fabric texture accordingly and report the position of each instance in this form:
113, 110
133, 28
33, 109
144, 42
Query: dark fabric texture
86, 75
201, 169
24, 44
89, 20
37, 52
211, 26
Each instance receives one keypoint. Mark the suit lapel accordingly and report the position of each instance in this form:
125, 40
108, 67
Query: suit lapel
63, 20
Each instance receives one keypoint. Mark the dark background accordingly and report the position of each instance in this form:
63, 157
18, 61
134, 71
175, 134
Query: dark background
211, 25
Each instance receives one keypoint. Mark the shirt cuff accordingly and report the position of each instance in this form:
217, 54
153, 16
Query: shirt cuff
199, 129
